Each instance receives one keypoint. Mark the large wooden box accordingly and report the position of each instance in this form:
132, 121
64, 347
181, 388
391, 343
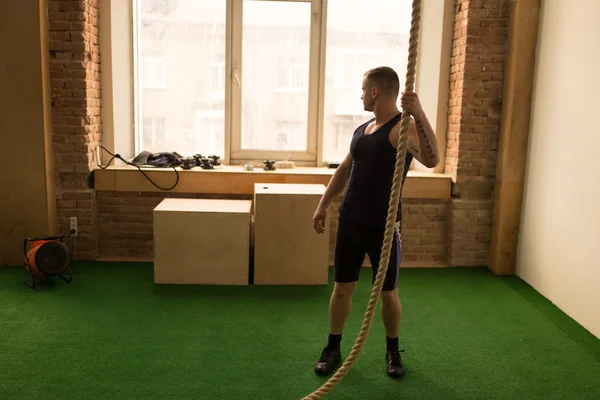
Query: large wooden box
287, 250
198, 241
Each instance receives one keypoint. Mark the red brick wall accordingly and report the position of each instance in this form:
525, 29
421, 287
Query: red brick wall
76, 124
125, 226
424, 232
119, 225
125, 222
475, 106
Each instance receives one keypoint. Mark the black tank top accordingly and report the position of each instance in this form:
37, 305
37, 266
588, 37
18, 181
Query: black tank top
367, 196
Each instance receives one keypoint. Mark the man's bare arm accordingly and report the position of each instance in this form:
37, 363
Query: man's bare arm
412, 143
422, 142
338, 182
427, 144
412, 139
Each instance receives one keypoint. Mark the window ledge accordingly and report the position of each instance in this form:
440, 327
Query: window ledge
229, 179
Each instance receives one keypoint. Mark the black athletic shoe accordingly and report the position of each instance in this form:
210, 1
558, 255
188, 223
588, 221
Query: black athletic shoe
395, 367
330, 358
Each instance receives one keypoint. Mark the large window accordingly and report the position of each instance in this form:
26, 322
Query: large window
274, 88
258, 79
359, 37
180, 53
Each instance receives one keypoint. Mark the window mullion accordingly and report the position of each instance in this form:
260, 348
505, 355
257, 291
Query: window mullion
313, 80
137, 15
234, 76
320, 86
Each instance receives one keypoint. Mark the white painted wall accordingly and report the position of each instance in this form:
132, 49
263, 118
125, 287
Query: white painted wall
559, 244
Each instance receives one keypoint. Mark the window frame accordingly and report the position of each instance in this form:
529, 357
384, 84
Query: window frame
233, 103
120, 98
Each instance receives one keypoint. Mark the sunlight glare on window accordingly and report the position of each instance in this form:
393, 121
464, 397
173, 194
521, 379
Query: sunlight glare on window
359, 38
275, 71
181, 76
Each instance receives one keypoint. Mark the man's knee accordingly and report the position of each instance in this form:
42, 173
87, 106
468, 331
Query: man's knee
389, 297
343, 289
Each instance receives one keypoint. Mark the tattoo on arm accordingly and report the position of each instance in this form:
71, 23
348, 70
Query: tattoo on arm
421, 130
413, 147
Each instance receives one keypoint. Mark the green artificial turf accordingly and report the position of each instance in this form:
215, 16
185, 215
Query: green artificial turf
113, 334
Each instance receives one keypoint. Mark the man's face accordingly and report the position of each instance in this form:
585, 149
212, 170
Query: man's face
368, 96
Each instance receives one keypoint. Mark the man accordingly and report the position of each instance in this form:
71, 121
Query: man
368, 171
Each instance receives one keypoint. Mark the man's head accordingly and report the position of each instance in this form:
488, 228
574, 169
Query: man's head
380, 85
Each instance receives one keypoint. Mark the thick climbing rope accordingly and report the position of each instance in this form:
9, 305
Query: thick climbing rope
391, 217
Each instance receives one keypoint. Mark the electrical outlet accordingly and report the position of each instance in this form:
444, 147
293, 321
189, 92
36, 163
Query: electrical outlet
73, 223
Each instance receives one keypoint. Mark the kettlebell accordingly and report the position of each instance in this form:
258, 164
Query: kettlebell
206, 163
188, 163
215, 160
198, 159
269, 165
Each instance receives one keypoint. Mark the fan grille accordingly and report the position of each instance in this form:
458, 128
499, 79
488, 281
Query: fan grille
52, 258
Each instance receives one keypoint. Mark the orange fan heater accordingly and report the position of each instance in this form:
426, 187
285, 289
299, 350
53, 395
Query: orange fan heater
47, 257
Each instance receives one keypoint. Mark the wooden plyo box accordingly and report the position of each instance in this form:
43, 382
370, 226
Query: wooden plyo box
203, 242
287, 250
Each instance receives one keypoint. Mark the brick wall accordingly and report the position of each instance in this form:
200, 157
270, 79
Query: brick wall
475, 106
125, 222
76, 124
119, 225
125, 226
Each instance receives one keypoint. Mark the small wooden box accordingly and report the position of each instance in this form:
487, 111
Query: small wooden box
287, 250
198, 241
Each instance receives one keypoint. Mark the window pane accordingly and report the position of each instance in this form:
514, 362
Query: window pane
359, 38
275, 65
182, 76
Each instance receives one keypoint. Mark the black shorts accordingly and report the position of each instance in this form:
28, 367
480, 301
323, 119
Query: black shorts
353, 243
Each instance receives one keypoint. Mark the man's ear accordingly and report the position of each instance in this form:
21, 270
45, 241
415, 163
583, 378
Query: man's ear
374, 92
